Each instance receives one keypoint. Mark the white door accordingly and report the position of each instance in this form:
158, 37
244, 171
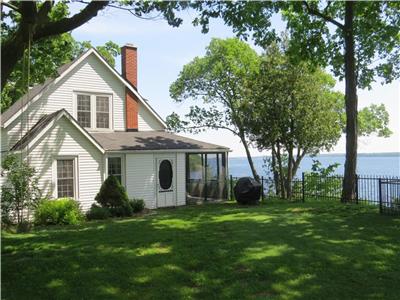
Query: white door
165, 187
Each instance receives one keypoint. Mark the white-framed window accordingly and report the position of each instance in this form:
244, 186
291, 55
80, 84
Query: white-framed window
102, 112
65, 178
83, 110
114, 166
93, 111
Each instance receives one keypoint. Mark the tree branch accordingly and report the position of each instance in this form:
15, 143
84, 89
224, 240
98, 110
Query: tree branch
213, 127
130, 10
11, 6
68, 24
321, 15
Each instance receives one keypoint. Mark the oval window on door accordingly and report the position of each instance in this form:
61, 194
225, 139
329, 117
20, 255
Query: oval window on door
165, 174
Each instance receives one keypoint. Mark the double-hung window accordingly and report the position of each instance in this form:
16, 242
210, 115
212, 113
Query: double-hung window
93, 111
84, 112
65, 178
102, 112
115, 167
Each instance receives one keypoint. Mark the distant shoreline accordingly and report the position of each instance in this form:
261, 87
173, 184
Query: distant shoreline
382, 154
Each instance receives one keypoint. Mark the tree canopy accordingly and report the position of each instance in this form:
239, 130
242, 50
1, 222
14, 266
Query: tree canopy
359, 41
293, 111
33, 21
219, 80
46, 56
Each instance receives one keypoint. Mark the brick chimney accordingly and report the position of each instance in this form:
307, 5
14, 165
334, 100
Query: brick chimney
129, 72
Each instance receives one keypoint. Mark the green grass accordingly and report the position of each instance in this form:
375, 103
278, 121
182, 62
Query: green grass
216, 251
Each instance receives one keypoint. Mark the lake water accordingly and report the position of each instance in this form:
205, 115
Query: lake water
384, 164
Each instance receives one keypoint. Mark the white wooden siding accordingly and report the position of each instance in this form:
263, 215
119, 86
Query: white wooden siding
65, 140
146, 121
181, 179
89, 76
140, 178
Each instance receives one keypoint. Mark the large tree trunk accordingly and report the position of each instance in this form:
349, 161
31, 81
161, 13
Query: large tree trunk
249, 158
281, 174
289, 175
349, 181
275, 172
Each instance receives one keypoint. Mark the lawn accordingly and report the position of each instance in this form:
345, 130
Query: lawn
215, 251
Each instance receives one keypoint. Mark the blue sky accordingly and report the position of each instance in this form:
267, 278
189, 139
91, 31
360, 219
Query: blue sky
164, 50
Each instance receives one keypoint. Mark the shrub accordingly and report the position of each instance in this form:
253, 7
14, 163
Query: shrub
125, 210
60, 211
97, 212
112, 193
322, 181
137, 205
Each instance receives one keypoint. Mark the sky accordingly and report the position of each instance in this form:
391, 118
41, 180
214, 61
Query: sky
164, 50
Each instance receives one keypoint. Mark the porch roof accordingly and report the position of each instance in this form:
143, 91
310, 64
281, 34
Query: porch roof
151, 140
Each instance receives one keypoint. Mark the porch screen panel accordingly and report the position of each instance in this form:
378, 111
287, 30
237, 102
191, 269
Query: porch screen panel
195, 176
206, 176
215, 176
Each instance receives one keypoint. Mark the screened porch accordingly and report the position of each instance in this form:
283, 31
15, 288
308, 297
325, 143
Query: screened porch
206, 175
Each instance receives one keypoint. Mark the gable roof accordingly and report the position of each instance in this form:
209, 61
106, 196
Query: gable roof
44, 125
151, 140
34, 93
34, 131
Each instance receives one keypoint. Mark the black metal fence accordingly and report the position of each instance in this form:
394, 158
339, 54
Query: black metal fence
389, 195
382, 191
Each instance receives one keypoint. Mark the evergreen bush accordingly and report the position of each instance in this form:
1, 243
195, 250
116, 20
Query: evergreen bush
112, 195
97, 212
137, 205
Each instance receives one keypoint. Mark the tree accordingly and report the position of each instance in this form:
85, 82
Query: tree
20, 193
292, 111
46, 56
358, 40
34, 21
219, 80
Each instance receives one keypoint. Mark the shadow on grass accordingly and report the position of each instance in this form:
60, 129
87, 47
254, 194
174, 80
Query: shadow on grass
275, 251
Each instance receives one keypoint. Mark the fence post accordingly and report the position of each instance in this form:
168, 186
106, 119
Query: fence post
231, 186
356, 187
380, 195
262, 188
302, 187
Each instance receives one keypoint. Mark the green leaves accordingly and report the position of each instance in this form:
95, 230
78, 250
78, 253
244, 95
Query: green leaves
317, 32
20, 192
293, 105
374, 119
219, 80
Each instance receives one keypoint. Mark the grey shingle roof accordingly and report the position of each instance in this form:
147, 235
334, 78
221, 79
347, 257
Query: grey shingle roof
150, 140
35, 130
121, 141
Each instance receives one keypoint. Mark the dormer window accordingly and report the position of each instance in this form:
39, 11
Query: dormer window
93, 111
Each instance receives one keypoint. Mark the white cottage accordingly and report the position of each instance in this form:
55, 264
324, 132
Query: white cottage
91, 122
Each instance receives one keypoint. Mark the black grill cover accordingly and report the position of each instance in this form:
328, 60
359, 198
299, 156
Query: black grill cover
247, 191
